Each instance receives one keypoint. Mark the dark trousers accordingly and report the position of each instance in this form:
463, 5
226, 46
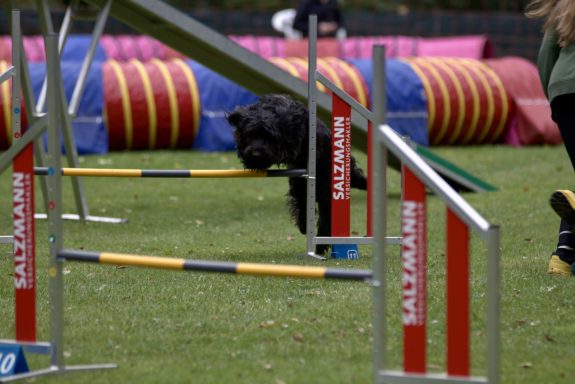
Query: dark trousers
563, 113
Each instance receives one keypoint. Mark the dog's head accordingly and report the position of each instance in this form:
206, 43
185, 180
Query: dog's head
269, 132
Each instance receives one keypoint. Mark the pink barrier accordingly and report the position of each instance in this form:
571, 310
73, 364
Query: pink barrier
33, 47
144, 48
396, 46
471, 47
325, 48
264, 46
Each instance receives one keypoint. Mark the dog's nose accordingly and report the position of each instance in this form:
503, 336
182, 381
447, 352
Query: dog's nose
255, 153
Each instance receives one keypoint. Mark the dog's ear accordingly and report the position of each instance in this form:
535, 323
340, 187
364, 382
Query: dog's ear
234, 118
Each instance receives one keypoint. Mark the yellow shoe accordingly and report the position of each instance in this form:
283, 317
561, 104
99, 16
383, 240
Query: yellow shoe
558, 267
563, 203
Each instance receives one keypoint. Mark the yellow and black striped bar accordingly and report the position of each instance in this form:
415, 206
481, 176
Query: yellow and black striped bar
254, 269
174, 173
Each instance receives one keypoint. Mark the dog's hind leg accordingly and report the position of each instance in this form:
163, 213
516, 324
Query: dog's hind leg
323, 224
297, 200
358, 179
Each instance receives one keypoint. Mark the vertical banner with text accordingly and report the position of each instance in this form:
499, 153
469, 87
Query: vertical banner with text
413, 258
24, 246
340, 167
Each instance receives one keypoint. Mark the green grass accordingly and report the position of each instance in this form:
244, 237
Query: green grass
177, 327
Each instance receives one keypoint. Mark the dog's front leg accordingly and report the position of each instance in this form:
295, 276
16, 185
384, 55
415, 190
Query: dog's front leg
323, 223
324, 217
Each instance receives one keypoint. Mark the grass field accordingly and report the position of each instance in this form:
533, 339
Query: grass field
177, 327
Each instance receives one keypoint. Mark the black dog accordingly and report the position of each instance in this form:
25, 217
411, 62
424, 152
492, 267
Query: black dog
275, 131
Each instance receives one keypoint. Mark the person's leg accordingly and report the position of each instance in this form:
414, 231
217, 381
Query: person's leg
563, 113
564, 254
563, 201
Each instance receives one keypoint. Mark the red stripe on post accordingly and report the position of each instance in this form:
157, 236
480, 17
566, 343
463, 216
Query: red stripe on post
457, 296
413, 255
24, 257
340, 167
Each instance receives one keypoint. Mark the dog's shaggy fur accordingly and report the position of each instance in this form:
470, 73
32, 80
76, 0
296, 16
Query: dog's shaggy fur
275, 131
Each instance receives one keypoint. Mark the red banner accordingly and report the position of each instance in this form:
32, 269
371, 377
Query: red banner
24, 253
340, 167
458, 298
413, 257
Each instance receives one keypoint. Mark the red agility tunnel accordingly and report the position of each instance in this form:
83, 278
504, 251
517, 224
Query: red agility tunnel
467, 102
153, 105
531, 124
342, 74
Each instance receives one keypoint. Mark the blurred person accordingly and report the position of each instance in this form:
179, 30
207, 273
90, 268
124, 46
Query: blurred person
556, 64
329, 17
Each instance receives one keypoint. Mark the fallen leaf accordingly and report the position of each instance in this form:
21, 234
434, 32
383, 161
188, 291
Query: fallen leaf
519, 322
298, 337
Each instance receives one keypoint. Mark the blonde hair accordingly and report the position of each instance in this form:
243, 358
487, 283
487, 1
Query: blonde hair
560, 16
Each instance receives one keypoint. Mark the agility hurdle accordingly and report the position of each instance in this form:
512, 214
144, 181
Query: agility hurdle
342, 106
460, 219
254, 269
22, 210
385, 138
176, 173
23, 239
35, 110
23, 221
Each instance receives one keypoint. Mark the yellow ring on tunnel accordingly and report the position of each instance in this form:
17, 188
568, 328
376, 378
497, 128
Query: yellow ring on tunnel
354, 79
428, 92
151, 104
173, 101
476, 68
504, 100
475, 97
445, 97
460, 97
195, 94
126, 107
